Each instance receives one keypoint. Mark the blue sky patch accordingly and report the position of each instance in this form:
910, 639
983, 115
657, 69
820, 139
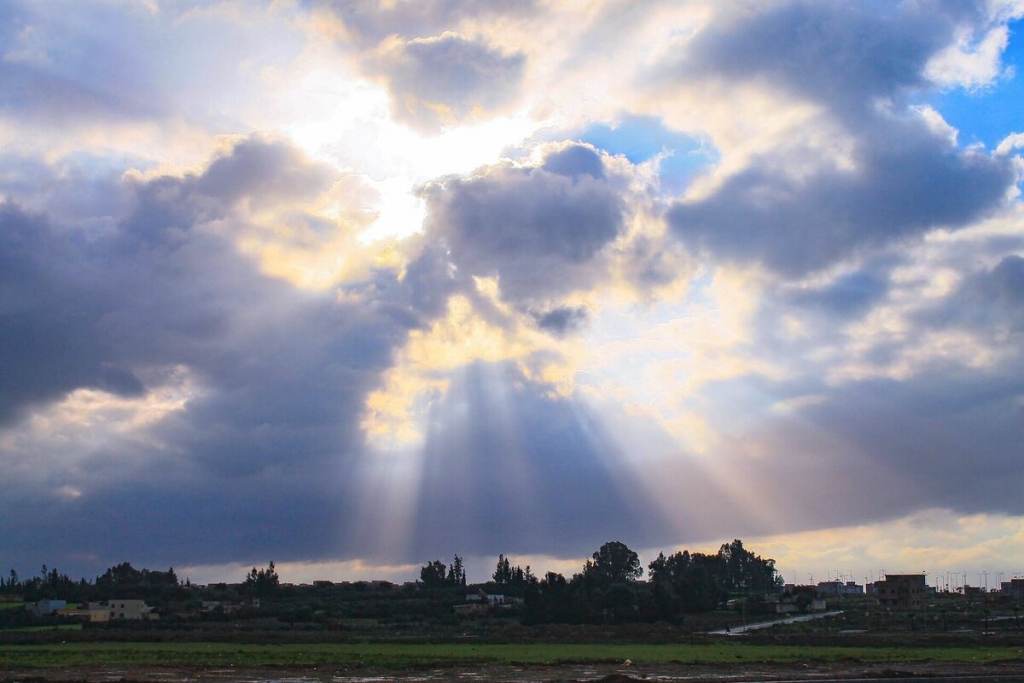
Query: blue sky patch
641, 138
988, 115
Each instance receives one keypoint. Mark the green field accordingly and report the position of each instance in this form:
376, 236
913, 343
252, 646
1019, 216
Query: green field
44, 629
402, 656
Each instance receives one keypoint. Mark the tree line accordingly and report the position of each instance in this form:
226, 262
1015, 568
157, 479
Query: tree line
608, 589
123, 581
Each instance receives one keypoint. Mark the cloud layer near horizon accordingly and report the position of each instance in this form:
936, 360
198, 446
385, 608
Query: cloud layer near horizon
499, 277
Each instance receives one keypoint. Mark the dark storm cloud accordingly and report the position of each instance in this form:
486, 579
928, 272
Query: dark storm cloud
438, 82
944, 434
575, 161
847, 296
87, 191
906, 179
539, 231
261, 170
562, 319
48, 302
909, 181
878, 449
153, 519
510, 467
844, 56
429, 281
256, 171
815, 454
257, 456
989, 303
265, 458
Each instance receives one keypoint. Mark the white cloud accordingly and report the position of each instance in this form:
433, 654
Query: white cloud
970, 63
1010, 143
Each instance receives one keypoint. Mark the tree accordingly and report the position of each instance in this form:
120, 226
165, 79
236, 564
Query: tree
613, 563
456, 572
51, 584
507, 575
503, 572
262, 581
550, 600
746, 572
686, 583
434, 573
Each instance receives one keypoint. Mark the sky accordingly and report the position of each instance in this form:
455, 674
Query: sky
352, 286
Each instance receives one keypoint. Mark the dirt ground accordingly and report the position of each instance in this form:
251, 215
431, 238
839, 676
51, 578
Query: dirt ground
1007, 672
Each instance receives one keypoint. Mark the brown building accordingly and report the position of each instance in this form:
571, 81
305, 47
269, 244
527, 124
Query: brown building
901, 591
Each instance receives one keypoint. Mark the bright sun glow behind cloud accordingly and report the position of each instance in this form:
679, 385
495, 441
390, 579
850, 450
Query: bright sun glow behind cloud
358, 132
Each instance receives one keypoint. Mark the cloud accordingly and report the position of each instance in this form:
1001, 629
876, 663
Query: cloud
540, 230
896, 388
54, 69
370, 22
945, 436
263, 170
803, 46
847, 295
719, 270
937, 540
969, 65
48, 308
800, 205
809, 455
798, 225
129, 80
574, 162
1010, 142
562, 319
278, 376
436, 83
989, 303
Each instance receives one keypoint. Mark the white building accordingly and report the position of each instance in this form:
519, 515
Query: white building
130, 610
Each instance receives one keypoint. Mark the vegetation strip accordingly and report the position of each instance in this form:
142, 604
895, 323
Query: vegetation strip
386, 655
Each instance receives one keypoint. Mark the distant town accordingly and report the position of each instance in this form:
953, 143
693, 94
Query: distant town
690, 591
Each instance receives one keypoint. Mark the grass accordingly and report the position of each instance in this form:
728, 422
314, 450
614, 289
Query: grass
43, 629
402, 656
12, 605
